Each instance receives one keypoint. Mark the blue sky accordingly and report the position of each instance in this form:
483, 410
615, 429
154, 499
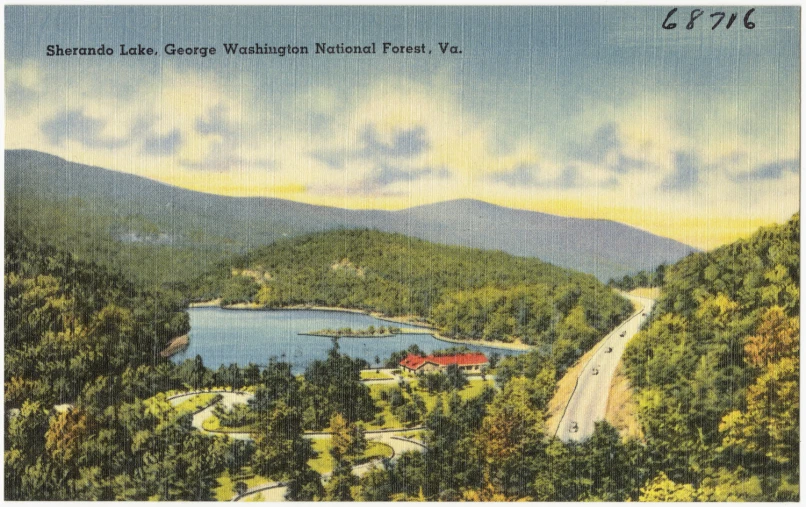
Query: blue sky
584, 111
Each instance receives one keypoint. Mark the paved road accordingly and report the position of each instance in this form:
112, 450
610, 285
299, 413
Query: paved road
270, 492
275, 491
588, 402
400, 441
228, 399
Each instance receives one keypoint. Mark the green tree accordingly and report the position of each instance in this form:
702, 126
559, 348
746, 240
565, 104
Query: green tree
280, 449
376, 485
347, 443
510, 439
451, 459
608, 469
304, 484
409, 475
454, 377
769, 426
241, 289
716, 369
25, 442
334, 386
663, 489
555, 478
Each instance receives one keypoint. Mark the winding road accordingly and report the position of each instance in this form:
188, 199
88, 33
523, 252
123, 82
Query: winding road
228, 399
400, 440
588, 402
275, 491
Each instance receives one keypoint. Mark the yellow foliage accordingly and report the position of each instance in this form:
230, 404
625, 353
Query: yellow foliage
342, 438
770, 423
66, 432
729, 486
719, 309
18, 390
265, 296
778, 336
663, 489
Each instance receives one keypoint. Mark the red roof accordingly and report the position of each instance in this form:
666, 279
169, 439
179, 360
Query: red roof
472, 358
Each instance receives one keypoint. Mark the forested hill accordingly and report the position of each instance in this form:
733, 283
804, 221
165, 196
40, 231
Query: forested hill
717, 370
68, 322
168, 234
466, 292
81, 374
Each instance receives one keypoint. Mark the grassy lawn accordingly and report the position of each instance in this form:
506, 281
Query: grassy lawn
324, 462
474, 388
194, 403
390, 421
212, 423
471, 390
373, 375
225, 491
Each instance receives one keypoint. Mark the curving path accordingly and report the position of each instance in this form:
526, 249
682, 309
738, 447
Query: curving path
270, 492
588, 402
275, 491
228, 399
399, 439
399, 442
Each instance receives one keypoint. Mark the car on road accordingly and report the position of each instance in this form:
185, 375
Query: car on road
623, 334
595, 371
609, 349
574, 427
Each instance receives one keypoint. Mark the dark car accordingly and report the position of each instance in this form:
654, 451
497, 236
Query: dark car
609, 349
574, 427
623, 334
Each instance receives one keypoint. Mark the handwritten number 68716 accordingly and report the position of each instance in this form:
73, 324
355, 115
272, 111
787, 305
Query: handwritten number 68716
719, 16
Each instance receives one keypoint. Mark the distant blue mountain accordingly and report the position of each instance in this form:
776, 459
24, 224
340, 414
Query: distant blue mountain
186, 218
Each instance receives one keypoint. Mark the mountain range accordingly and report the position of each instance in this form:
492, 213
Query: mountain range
139, 210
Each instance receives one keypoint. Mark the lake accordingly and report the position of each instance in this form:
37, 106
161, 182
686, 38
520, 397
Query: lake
244, 336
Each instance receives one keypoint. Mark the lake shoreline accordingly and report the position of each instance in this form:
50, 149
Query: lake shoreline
425, 328
325, 335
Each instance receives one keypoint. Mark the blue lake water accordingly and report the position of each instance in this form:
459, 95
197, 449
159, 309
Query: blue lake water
244, 336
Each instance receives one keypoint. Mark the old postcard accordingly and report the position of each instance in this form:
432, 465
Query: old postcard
371, 253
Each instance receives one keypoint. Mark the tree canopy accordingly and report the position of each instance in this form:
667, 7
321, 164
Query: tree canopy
717, 369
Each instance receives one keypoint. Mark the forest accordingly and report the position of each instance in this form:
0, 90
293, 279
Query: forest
78, 334
715, 372
143, 250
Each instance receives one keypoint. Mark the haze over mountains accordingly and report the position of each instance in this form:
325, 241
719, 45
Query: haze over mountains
140, 210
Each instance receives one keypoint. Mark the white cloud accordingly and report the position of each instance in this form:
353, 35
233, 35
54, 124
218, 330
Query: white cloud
407, 141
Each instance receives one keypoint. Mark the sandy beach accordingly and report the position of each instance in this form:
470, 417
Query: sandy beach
176, 345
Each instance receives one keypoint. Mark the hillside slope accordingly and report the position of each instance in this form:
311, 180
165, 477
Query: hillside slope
467, 293
48, 192
716, 370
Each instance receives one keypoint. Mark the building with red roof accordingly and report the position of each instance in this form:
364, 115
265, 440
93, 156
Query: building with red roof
470, 362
